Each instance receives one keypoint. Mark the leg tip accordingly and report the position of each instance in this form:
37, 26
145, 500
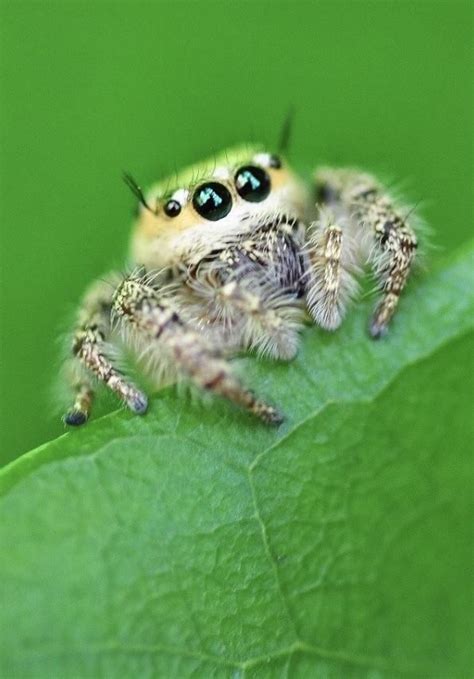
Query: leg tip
138, 404
276, 418
271, 416
75, 418
377, 331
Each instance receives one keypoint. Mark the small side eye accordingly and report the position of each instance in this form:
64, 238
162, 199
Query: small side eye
275, 162
212, 201
172, 208
253, 183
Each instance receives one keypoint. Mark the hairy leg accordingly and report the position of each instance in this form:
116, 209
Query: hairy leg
331, 283
156, 318
91, 356
391, 244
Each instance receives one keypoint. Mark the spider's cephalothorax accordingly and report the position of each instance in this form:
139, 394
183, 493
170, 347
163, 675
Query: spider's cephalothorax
231, 259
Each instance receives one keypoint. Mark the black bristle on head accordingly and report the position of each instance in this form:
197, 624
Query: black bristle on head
285, 132
136, 190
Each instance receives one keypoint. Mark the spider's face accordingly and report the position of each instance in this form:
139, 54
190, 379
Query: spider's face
244, 190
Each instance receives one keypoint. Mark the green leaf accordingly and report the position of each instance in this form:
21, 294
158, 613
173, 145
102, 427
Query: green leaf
195, 541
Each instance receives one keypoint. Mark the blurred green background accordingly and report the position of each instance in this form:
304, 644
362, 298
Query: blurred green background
91, 88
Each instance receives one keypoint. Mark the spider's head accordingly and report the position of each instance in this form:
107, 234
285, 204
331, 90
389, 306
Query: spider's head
213, 205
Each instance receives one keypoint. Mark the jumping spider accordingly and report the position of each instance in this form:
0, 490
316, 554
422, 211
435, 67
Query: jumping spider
233, 259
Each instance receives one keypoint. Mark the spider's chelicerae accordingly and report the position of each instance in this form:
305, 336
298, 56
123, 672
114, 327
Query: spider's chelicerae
235, 258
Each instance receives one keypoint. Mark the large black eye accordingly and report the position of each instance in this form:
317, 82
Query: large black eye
253, 183
212, 201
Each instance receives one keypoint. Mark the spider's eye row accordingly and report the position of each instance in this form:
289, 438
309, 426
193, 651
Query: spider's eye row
212, 201
252, 183
172, 208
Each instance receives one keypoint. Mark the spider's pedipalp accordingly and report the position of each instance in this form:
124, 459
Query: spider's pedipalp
263, 316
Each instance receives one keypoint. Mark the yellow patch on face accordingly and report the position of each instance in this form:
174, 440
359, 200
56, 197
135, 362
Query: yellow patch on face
150, 225
156, 232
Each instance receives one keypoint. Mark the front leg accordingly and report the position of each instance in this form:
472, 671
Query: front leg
331, 282
156, 318
384, 235
91, 356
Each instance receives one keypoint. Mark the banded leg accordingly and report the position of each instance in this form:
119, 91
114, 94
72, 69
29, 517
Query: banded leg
393, 243
155, 317
89, 357
331, 284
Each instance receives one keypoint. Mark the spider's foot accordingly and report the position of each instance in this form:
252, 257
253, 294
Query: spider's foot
75, 418
377, 330
138, 403
267, 413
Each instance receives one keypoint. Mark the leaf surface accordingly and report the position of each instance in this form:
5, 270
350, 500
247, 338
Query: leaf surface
196, 541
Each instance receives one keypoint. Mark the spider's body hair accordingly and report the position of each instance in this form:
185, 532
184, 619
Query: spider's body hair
207, 285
